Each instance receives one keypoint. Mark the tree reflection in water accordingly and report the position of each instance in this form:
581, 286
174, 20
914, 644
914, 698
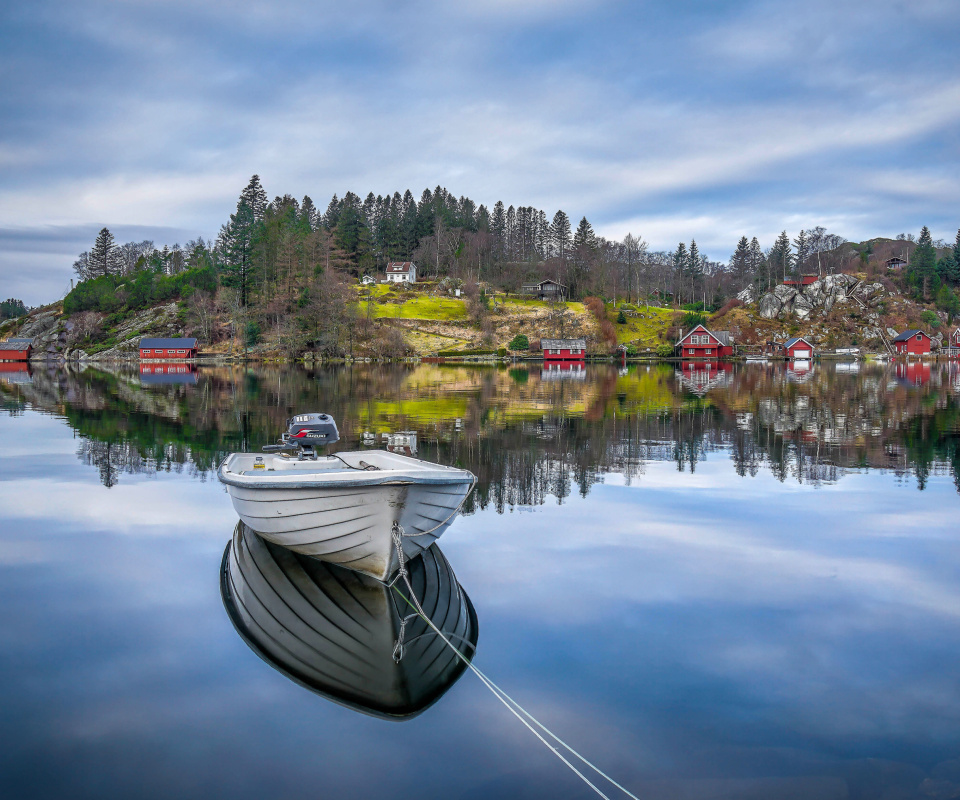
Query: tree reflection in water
527, 438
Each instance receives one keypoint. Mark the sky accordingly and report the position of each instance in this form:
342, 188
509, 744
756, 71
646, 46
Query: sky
669, 119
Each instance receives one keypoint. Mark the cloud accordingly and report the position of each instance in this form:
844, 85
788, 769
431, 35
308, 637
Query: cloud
694, 117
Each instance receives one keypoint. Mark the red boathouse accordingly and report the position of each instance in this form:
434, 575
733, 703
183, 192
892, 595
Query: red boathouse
16, 350
564, 349
798, 348
703, 344
914, 343
168, 348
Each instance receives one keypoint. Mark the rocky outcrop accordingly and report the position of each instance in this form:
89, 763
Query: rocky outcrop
748, 295
770, 306
823, 294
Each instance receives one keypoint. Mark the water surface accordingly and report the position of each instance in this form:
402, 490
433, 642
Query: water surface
735, 582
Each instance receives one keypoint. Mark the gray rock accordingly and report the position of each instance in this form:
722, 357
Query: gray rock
785, 293
748, 295
891, 333
829, 302
770, 306
801, 306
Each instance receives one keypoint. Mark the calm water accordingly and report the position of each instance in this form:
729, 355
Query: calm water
733, 584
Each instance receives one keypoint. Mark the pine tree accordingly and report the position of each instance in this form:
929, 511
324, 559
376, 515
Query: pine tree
758, 265
103, 258
680, 266
956, 250
332, 215
923, 266
740, 263
782, 256
584, 236
256, 198
803, 250
695, 270
560, 239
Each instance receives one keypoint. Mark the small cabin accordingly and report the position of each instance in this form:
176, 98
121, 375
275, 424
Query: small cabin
564, 349
166, 349
895, 263
775, 349
366, 280
798, 348
955, 338
401, 272
702, 344
803, 280
16, 349
545, 290
913, 342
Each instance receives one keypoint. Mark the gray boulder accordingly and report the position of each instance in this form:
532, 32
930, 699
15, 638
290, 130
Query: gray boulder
770, 306
801, 306
748, 295
785, 293
891, 333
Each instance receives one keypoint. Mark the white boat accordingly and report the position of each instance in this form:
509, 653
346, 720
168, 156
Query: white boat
342, 634
352, 509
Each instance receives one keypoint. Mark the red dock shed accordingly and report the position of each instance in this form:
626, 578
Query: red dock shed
913, 342
16, 350
564, 349
798, 348
168, 348
703, 344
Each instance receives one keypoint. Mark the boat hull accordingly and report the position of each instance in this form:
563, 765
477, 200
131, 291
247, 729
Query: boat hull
352, 526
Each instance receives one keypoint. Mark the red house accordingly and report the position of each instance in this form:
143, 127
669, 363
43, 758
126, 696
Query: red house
955, 339
16, 350
798, 347
168, 348
915, 343
564, 349
804, 280
703, 344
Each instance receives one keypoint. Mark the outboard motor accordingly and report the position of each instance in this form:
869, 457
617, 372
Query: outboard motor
305, 432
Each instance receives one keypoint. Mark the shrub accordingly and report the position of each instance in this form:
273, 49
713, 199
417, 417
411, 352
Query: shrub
728, 306
693, 318
251, 333
930, 319
665, 350
519, 342
621, 318
502, 352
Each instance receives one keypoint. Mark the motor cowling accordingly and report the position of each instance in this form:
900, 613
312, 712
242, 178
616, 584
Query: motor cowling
312, 430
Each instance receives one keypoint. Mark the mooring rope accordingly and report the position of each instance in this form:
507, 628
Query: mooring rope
511, 705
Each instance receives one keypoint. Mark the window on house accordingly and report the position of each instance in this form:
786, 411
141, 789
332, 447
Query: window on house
181, 351
919, 336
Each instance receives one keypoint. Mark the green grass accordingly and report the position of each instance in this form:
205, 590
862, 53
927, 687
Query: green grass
643, 332
444, 309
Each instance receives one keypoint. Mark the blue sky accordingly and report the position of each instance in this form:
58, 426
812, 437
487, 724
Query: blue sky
671, 120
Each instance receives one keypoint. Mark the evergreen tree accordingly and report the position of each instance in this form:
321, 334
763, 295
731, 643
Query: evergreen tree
236, 242
740, 263
256, 198
584, 236
803, 250
781, 256
758, 265
695, 270
104, 258
956, 250
680, 266
560, 239
923, 266
332, 215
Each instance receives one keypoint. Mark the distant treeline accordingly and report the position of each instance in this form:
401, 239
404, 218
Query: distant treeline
286, 262
12, 308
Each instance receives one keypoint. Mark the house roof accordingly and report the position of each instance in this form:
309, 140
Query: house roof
396, 267
20, 340
895, 258
723, 337
18, 346
167, 344
908, 335
791, 342
543, 283
563, 344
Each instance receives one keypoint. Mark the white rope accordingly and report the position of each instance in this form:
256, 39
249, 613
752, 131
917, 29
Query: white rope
511, 705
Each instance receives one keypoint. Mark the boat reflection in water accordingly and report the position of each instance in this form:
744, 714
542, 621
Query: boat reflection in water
341, 633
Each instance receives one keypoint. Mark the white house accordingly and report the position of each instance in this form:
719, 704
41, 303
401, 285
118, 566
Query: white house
401, 272
366, 280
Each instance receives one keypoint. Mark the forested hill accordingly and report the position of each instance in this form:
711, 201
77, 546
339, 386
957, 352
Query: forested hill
288, 268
